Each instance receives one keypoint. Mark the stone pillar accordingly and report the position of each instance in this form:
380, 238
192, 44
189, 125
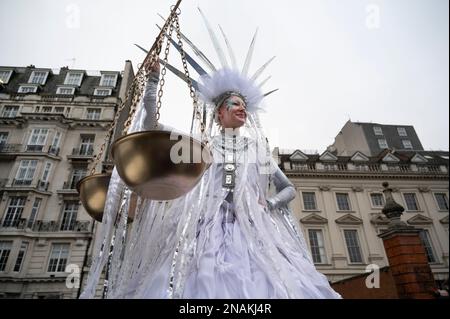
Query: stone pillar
406, 255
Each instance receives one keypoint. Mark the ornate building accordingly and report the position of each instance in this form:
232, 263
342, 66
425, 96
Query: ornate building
52, 124
340, 199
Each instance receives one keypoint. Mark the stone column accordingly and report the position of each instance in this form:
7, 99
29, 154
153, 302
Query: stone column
406, 254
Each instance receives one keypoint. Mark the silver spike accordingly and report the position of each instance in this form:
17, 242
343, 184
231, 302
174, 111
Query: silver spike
214, 40
264, 81
196, 50
230, 49
261, 69
180, 74
189, 59
146, 51
268, 93
248, 59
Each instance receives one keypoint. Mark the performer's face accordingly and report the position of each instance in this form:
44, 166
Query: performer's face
232, 113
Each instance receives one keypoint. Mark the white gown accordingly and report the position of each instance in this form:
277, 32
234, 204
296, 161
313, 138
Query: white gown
210, 243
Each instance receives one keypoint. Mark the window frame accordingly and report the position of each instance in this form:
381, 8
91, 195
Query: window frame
324, 256
316, 207
71, 73
407, 208
102, 80
8, 76
338, 209
385, 143
402, 129
405, 146
96, 90
32, 76
58, 90
23, 248
371, 200
4, 248
361, 251
437, 202
16, 212
376, 131
97, 110
63, 245
10, 113
69, 216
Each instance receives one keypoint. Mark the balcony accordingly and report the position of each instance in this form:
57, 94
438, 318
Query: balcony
43, 226
28, 184
69, 187
9, 150
82, 154
34, 148
53, 150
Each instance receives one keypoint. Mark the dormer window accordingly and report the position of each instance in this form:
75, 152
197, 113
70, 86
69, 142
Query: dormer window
27, 89
401, 131
377, 130
102, 92
38, 77
108, 80
65, 90
5, 75
73, 78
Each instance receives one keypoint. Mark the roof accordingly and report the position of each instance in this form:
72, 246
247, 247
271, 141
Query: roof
55, 78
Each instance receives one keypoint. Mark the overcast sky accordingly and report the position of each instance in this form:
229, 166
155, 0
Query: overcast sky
384, 61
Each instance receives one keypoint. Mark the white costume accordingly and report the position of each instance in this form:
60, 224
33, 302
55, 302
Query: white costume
215, 241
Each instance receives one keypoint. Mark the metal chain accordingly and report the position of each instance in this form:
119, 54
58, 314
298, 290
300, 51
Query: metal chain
134, 91
192, 92
162, 80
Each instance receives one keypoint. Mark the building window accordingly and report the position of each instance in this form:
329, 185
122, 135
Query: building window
65, 91
5, 75
73, 78
54, 148
108, 80
377, 200
47, 109
382, 143
20, 257
102, 92
46, 172
317, 246
27, 89
34, 212
353, 246
37, 139
3, 138
38, 77
77, 175
411, 201
309, 200
401, 131
442, 201
5, 250
69, 215
87, 145
14, 211
343, 201
25, 173
407, 144
93, 114
378, 130
58, 258
10, 111
426, 241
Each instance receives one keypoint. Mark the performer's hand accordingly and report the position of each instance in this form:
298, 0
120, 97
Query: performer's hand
152, 67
